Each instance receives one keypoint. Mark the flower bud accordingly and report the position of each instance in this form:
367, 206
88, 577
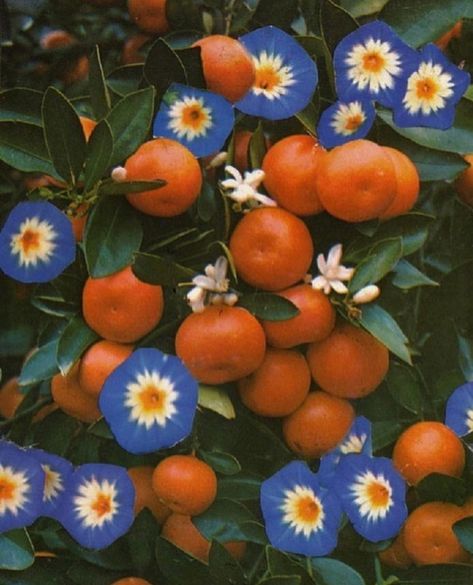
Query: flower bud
119, 174
366, 294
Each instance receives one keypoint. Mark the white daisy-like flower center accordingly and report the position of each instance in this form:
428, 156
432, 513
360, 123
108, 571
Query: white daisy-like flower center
96, 503
53, 483
373, 65
14, 488
373, 495
469, 420
33, 242
427, 89
272, 76
303, 511
190, 118
353, 444
151, 399
348, 118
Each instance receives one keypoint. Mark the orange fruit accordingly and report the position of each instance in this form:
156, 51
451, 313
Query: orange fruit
180, 530
396, 554
318, 425
71, 399
454, 33
131, 581
278, 386
464, 183
185, 484
10, 397
428, 535
221, 344
349, 363
78, 217
121, 308
165, 159
131, 52
145, 496
315, 321
272, 249
99, 361
428, 447
149, 15
291, 167
241, 145
76, 70
228, 67
356, 181
88, 126
408, 184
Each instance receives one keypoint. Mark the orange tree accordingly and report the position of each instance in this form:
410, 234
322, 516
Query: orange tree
236, 334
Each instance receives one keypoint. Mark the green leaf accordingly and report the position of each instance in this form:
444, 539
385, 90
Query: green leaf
130, 120
407, 276
158, 270
22, 146
163, 67
465, 347
16, 550
64, 135
179, 567
269, 306
257, 147
99, 94
206, 202
241, 486
183, 14
334, 572
141, 539
224, 463
40, 365
55, 432
280, 563
279, 14
223, 567
111, 187
448, 574
444, 488
99, 153
74, 340
405, 388
281, 580
336, 24
21, 105
223, 519
126, 79
464, 532
113, 234
382, 259
217, 400
362, 7
308, 117
385, 432
382, 326
192, 63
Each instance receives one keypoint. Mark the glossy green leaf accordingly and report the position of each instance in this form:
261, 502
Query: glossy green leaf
21, 105
269, 306
464, 531
223, 567
99, 153
163, 67
206, 203
448, 574
224, 463
385, 433
257, 147
241, 486
382, 326
336, 24
184, 15
141, 538
278, 14
74, 340
217, 400
280, 563
179, 567
158, 270
281, 580
40, 365
405, 387
99, 94
126, 79
334, 572
16, 550
192, 63
110, 187
308, 117
362, 7
444, 488
223, 519
55, 432
465, 347
22, 146
407, 276
382, 259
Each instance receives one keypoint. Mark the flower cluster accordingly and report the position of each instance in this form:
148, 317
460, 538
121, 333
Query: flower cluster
212, 288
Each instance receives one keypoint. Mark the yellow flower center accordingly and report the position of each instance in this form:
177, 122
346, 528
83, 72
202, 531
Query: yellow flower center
373, 61
102, 505
308, 510
426, 88
267, 78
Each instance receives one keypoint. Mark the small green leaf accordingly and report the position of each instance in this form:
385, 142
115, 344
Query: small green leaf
257, 147
163, 67
333, 572
21, 105
242, 486
405, 388
308, 117
223, 519
336, 24
407, 276
126, 79
179, 567
437, 487
269, 306
22, 147
223, 567
111, 187
99, 94
16, 550
465, 347
76, 337
464, 532
217, 400
224, 463
382, 259
158, 270
99, 153
206, 202
40, 365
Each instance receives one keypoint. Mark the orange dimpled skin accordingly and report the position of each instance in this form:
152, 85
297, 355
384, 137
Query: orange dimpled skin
464, 183
71, 399
428, 447
290, 168
278, 386
356, 181
272, 249
131, 581
145, 496
318, 425
120, 307
168, 160
349, 363
408, 184
99, 361
149, 15
185, 484
221, 344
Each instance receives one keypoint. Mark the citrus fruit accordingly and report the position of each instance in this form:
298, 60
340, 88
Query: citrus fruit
145, 496
131, 52
10, 397
149, 15
75, 70
99, 361
453, 33
396, 554
88, 126
464, 183
131, 581
71, 399
408, 184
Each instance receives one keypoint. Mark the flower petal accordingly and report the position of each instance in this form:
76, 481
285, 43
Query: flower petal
345, 121
459, 410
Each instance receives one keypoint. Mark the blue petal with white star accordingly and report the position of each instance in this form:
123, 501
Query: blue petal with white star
345, 121
431, 92
21, 487
373, 495
98, 506
285, 75
300, 516
459, 410
370, 63
36, 243
149, 401
198, 119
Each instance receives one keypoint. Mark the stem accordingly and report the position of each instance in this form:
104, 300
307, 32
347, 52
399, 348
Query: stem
252, 572
309, 568
25, 413
378, 572
229, 16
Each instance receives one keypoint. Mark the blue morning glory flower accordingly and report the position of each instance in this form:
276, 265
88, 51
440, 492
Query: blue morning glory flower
36, 242
98, 505
285, 75
149, 401
370, 63
373, 495
459, 410
198, 119
345, 121
431, 92
300, 516
21, 487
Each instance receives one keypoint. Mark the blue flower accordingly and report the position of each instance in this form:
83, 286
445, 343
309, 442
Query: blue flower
149, 401
36, 242
21, 487
285, 75
431, 92
198, 119
300, 516
459, 410
370, 63
345, 121
373, 495
98, 506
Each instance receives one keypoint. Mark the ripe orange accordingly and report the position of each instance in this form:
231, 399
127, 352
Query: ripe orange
427, 447
349, 363
314, 322
98, 362
278, 386
454, 33
408, 184
221, 344
396, 554
149, 15
356, 181
10, 397
145, 496
228, 67
121, 308
464, 183
318, 425
76, 70
131, 581
291, 167
165, 159
428, 535
180, 530
88, 126
78, 217
131, 52
70, 397
185, 484
272, 248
